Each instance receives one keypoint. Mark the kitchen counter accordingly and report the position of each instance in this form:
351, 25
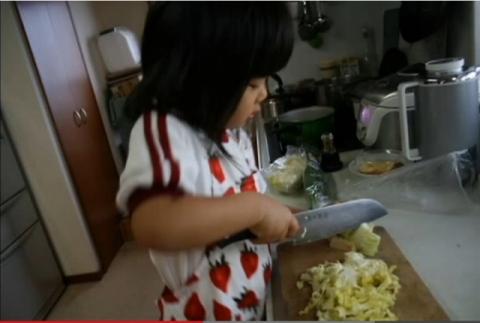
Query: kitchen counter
443, 248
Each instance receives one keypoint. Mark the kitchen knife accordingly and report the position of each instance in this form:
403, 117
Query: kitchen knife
325, 222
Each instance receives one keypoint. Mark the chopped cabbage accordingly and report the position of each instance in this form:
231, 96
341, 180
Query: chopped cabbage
359, 289
364, 239
289, 177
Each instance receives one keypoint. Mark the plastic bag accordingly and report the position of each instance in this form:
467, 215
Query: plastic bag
285, 174
447, 184
319, 187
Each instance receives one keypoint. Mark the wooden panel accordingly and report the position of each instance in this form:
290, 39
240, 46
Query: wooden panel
414, 300
59, 62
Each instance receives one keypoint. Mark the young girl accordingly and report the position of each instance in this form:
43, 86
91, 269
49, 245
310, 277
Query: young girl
190, 180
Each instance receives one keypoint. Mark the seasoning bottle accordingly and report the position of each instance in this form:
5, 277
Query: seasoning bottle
330, 158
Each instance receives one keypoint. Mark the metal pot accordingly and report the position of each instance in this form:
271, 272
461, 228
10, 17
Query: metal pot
305, 125
323, 95
271, 109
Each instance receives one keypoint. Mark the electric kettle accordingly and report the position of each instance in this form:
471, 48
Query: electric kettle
447, 116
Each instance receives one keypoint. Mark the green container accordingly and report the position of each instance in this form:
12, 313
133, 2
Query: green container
305, 125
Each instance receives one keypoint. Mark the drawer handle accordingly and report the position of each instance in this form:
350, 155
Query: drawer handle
7, 253
8, 204
84, 115
77, 118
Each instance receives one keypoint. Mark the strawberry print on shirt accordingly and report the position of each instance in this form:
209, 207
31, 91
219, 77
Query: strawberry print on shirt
248, 301
168, 296
249, 185
215, 282
220, 274
249, 260
222, 312
194, 310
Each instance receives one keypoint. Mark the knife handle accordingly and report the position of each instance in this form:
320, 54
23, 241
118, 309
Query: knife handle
242, 235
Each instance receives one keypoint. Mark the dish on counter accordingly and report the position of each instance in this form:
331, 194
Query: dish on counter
377, 162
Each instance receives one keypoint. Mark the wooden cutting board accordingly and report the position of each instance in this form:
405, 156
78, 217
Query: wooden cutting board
414, 300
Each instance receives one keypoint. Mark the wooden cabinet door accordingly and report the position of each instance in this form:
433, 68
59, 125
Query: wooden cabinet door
55, 50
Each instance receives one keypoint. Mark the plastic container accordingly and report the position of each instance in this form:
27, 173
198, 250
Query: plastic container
119, 49
285, 174
443, 185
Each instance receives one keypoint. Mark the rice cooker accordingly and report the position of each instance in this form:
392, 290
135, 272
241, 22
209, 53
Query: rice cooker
377, 111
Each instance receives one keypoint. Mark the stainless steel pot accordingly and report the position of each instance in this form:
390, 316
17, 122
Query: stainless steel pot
271, 109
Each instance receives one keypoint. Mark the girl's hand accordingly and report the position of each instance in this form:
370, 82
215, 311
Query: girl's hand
276, 221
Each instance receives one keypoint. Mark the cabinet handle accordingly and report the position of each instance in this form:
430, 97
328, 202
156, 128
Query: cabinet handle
84, 115
13, 247
77, 118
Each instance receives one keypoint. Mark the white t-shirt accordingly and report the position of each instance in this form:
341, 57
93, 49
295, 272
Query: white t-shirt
167, 156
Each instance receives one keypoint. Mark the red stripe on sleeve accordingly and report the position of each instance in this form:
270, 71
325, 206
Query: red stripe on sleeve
167, 149
154, 154
143, 193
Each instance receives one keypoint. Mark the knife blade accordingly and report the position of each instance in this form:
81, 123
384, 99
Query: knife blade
325, 222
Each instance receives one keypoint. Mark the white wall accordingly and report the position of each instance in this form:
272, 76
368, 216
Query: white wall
343, 39
25, 113
89, 19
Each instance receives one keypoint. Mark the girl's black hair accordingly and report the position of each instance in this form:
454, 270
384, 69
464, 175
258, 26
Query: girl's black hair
198, 58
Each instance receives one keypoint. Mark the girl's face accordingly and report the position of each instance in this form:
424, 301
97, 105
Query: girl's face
250, 103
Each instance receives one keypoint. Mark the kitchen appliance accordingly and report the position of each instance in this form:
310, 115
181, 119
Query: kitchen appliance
447, 116
325, 222
120, 50
376, 107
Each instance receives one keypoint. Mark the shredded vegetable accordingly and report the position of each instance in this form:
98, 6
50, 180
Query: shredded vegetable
359, 289
364, 239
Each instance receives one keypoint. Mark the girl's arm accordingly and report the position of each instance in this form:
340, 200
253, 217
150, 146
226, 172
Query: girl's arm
178, 223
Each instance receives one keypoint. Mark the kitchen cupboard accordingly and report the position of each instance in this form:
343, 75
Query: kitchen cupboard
51, 37
30, 277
